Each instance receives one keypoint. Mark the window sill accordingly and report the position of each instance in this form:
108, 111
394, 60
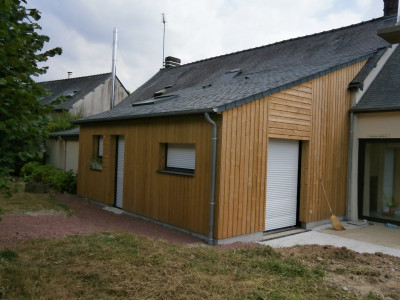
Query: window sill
180, 173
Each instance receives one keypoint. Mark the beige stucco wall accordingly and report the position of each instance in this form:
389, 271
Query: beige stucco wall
63, 154
72, 156
378, 125
384, 125
98, 100
55, 153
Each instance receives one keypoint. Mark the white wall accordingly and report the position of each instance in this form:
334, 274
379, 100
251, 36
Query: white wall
98, 100
63, 154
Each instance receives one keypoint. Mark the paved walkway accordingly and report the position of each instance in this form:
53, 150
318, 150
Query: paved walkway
363, 239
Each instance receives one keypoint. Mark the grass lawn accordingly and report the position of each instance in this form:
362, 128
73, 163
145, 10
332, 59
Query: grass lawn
21, 202
117, 265
121, 265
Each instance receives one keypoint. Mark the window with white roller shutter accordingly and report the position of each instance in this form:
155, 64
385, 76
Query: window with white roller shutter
180, 157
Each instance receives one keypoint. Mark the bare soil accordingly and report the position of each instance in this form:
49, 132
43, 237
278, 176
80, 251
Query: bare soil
87, 218
363, 274
360, 273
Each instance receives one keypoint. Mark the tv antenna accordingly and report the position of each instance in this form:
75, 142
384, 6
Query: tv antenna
163, 46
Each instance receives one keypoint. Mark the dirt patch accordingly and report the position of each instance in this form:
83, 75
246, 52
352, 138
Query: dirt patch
360, 273
87, 218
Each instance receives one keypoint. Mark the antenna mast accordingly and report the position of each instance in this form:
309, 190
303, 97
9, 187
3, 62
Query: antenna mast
163, 45
114, 67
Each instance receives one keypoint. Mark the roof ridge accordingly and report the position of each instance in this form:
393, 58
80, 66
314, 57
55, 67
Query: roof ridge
285, 41
81, 77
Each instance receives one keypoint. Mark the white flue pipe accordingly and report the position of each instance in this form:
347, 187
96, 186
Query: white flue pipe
113, 67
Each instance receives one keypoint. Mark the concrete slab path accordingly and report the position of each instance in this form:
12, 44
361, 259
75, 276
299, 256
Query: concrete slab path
367, 238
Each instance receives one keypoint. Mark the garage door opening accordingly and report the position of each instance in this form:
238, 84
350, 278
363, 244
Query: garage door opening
282, 184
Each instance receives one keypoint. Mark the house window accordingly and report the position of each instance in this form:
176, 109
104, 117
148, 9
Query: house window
179, 159
96, 163
100, 146
379, 180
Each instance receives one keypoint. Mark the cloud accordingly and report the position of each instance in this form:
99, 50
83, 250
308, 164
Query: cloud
195, 30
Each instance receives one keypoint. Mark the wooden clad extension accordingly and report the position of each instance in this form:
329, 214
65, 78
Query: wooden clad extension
182, 201
245, 131
316, 113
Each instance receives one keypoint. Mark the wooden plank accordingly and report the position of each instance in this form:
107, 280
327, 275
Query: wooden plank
296, 93
279, 119
290, 103
277, 107
253, 161
236, 187
288, 97
288, 115
244, 169
303, 88
263, 169
281, 125
289, 132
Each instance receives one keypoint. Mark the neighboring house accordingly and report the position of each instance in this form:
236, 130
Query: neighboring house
86, 95
375, 168
230, 147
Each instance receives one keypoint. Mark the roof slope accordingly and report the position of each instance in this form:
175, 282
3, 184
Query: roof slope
384, 92
66, 133
66, 87
203, 86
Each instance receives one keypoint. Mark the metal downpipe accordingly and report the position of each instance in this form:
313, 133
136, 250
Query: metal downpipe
213, 170
350, 166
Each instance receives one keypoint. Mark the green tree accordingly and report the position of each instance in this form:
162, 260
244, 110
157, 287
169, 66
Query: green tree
23, 119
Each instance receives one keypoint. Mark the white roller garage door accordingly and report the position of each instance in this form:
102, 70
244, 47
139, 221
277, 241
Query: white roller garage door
282, 182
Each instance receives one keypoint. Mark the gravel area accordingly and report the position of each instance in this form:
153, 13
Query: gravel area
88, 218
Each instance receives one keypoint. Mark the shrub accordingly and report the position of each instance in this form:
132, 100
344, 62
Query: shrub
58, 179
28, 168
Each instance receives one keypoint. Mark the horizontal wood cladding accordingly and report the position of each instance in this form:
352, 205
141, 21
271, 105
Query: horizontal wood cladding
182, 201
289, 113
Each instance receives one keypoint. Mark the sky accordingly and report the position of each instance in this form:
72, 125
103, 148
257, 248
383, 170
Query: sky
195, 30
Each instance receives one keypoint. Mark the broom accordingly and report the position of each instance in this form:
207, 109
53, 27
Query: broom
335, 221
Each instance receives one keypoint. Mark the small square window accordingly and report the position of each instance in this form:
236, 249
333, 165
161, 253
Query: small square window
178, 159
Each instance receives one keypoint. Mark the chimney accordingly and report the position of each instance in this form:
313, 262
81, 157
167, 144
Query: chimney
171, 62
390, 7
69, 75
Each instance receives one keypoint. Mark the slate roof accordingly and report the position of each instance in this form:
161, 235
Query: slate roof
66, 133
384, 92
204, 86
82, 86
358, 81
